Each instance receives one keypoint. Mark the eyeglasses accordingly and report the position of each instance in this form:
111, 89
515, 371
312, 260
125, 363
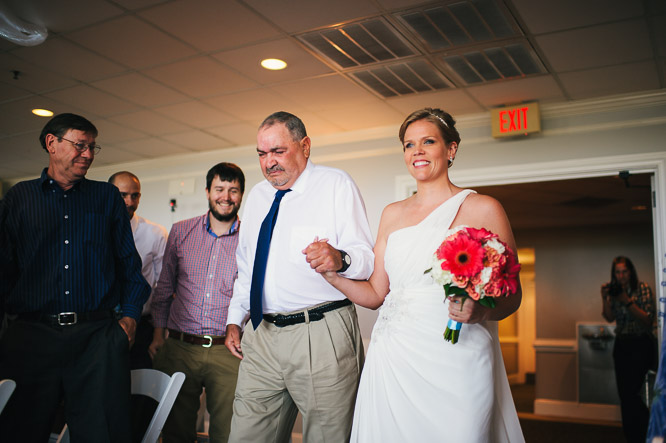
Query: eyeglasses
83, 147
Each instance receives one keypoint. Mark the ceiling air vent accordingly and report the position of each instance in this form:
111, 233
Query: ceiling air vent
485, 65
359, 44
460, 23
402, 78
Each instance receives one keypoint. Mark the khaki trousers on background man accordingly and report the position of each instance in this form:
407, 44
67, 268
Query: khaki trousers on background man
213, 367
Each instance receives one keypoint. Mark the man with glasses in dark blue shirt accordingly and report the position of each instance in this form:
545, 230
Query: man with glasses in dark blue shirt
67, 258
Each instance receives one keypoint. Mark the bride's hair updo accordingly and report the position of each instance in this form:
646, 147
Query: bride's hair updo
443, 120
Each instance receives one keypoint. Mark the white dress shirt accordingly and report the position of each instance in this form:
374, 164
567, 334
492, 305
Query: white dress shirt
150, 241
325, 203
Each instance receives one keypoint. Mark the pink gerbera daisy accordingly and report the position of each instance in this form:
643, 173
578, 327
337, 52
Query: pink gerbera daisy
463, 256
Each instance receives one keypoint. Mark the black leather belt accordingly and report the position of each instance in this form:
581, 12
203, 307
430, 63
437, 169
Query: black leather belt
204, 340
67, 318
313, 314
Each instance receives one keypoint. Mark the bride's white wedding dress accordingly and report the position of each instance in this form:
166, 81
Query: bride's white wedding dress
415, 386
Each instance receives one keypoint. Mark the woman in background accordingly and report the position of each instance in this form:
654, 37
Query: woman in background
630, 304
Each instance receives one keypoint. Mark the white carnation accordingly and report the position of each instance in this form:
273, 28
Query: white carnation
485, 275
496, 245
439, 275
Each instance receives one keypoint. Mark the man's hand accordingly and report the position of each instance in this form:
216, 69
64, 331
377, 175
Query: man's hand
157, 343
322, 256
129, 326
233, 340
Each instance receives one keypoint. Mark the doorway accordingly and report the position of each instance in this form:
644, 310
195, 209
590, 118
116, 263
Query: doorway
573, 229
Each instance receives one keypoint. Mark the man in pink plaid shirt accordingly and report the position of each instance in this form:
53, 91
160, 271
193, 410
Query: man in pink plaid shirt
190, 305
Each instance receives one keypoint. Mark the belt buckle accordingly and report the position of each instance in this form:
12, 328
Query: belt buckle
67, 318
210, 341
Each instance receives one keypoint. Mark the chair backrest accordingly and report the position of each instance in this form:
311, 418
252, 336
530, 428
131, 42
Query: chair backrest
7, 387
156, 385
162, 388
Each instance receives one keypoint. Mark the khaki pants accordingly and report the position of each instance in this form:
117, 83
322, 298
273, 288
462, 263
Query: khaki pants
312, 367
213, 368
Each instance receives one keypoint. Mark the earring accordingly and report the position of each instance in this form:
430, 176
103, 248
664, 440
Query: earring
450, 161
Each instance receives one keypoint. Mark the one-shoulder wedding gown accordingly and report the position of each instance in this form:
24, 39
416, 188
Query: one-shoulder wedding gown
415, 386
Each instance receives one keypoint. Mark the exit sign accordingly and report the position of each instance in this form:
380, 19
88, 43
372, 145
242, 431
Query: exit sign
514, 120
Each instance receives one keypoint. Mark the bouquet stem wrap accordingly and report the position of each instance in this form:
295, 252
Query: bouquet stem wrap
452, 331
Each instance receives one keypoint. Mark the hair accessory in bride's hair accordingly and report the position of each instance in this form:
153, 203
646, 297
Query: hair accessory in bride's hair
440, 119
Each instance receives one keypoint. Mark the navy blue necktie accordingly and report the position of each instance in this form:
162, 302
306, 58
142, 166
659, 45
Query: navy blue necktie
260, 259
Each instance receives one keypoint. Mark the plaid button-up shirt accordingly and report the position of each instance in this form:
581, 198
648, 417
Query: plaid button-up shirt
196, 283
625, 321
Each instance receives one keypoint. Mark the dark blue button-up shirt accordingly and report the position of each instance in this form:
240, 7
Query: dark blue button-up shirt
63, 251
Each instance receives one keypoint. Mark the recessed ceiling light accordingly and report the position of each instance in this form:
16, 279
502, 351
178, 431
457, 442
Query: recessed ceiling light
42, 112
273, 64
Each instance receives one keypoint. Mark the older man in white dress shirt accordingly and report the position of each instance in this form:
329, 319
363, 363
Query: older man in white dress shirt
303, 350
150, 241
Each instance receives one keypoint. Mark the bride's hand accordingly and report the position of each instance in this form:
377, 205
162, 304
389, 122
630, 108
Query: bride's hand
330, 276
465, 310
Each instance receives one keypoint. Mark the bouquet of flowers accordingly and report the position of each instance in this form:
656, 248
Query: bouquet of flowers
474, 263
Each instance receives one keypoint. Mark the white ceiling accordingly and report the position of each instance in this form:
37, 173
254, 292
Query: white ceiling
170, 77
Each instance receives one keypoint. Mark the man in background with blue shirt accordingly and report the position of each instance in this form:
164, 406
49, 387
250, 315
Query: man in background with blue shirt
67, 258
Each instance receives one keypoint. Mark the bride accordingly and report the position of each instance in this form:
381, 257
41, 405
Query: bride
416, 386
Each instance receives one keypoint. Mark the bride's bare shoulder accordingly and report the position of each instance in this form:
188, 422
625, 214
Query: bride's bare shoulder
481, 211
482, 204
393, 215
394, 210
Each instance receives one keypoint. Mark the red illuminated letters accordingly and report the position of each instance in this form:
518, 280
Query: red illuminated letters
513, 120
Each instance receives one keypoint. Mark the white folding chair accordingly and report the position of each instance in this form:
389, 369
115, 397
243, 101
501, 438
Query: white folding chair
7, 387
156, 385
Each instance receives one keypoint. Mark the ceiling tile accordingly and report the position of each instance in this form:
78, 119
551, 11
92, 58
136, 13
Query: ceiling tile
196, 114
596, 46
364, 115
620, 79
132, 42
253, 106
115, 155
23, 146
237, 133
324, 92
70, 60
197, 141
200, 77
57, 16
316, 125
456, 102
549, 16
395, 4
139, 4
113, 133
149, 122
32, 78
543, 88
17, 116
92, 100
151, 147
140, 90
9, 91
211, 25
659, 29
302, 15
300, 63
